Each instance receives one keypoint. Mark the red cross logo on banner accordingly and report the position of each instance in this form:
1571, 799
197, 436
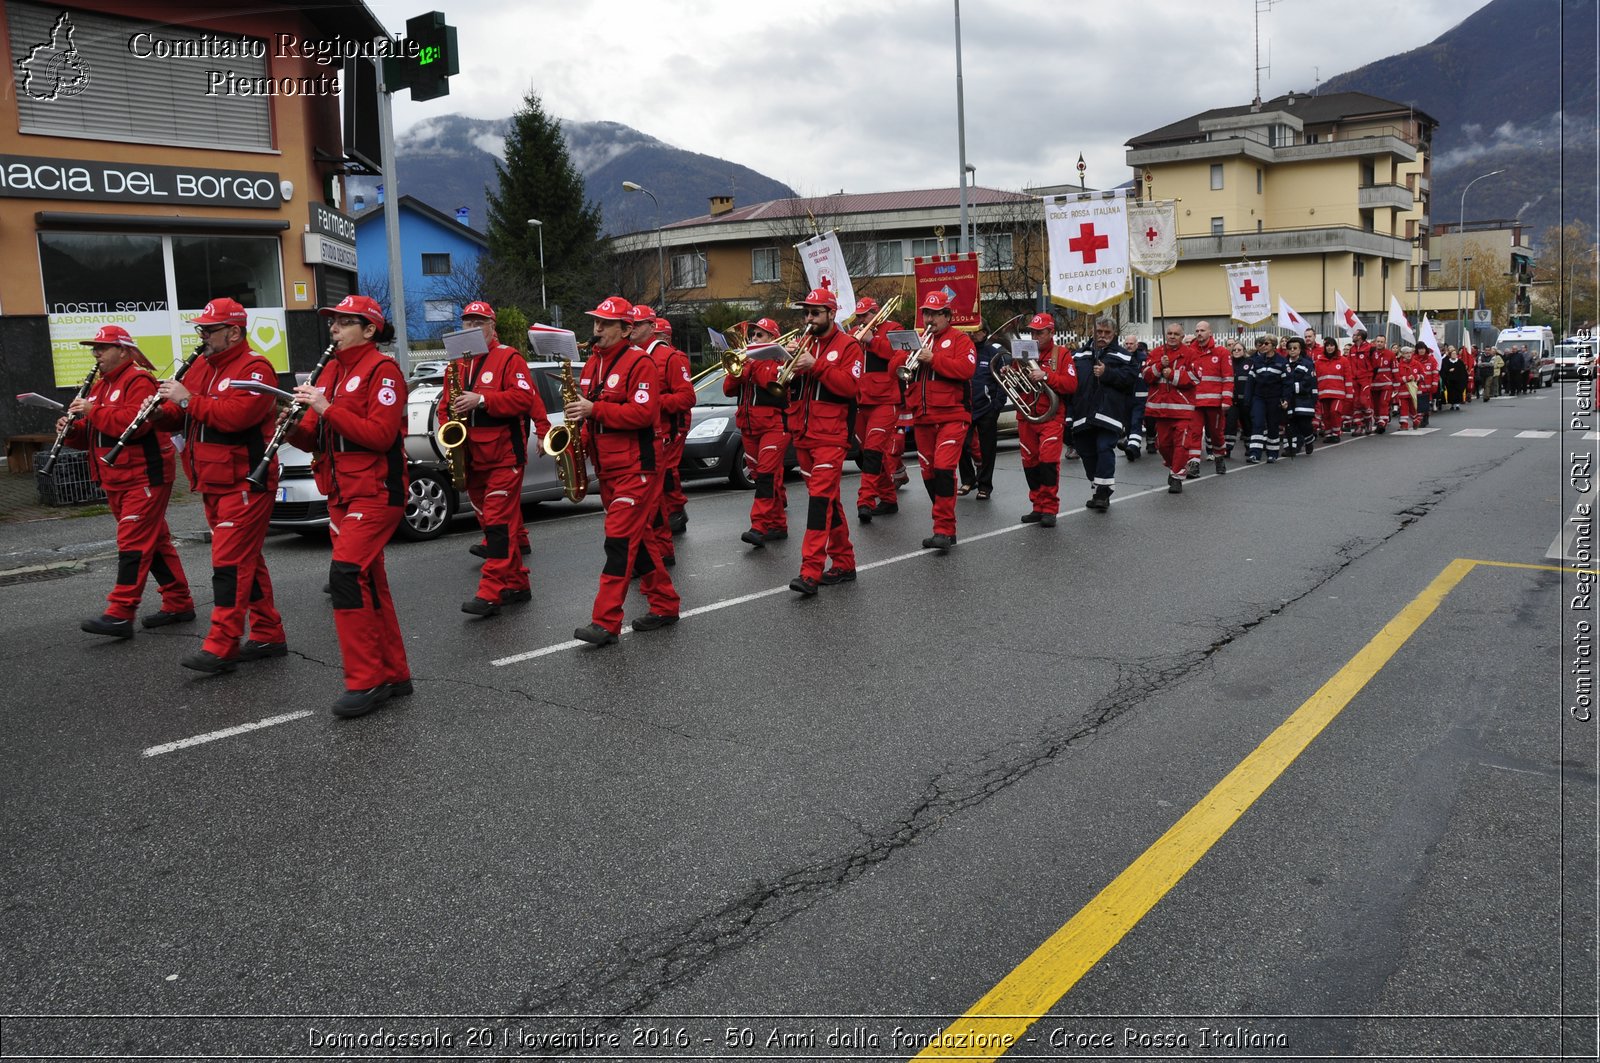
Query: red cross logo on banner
1150, 234
1087, 242
1349, 317
1296, 318
1248, 289
825, 283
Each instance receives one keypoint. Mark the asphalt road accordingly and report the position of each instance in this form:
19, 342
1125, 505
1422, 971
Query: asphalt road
787, 827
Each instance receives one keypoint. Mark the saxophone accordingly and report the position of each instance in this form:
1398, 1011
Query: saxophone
452, 434
565, 444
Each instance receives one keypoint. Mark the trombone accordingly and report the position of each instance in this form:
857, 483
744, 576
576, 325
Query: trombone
863, 332
786, 374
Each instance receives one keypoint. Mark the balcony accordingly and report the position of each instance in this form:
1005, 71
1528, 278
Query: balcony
1395, 196
1333, 239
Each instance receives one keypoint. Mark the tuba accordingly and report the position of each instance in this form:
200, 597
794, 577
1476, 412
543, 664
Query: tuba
564, 442
1023, 390
452, 434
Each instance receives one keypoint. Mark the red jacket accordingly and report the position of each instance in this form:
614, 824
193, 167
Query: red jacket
227, 429
1360, 365
677, 388
1175, 397
938, 393
1060, 376
1333, 376
358, 443
621, 434
497, 431
1383, 368
879, 385
759, 410
1212, 365
820, 413
147, 460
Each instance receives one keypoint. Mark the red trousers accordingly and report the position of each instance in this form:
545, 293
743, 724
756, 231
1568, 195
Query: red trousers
632, 504
877, 429
1178, 440
1407, 408
1380, 402
764, 452
144, 545
1213, 420
370, 642
241, 589
1357, 413
827, 536
939, 454
496, 496
1330, 414
1041, 462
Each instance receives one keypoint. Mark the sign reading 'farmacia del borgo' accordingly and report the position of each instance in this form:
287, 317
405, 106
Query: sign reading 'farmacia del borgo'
136, 182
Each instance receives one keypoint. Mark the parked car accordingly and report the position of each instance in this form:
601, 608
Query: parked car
1574, 360
430, 367
715, 446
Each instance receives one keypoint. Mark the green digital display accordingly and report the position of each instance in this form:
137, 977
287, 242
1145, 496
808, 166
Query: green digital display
428, 55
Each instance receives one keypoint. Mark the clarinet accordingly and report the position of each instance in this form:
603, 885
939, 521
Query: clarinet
291, 417
61, 433
145, 410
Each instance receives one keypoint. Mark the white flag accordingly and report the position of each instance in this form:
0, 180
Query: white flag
1427, 336
1247, 292
1397, 318
1153, 237
1345, 316
1088, 235
1290, 321
825, 268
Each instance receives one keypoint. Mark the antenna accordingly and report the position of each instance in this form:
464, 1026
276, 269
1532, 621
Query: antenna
1262, 5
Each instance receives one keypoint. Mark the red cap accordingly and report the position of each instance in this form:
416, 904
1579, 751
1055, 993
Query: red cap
866, 305
936, 301
363, 306
663, 327
640, 313
110, 336
767, 325
478, 308
1041, 321
221, 312
820, 297
613, 308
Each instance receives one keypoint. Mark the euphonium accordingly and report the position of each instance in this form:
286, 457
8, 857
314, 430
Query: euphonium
452, 434
1023, 390
564, 443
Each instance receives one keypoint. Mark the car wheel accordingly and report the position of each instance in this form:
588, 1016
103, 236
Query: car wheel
738, 474
429, 504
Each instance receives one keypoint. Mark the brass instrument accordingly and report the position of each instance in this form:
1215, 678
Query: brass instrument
286, 424
564, 442
61, 433
863, 332
907, 370
734, 360
147, 408
780, 386
1020, 387
452, 434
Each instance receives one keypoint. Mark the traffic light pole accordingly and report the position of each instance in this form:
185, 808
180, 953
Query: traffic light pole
391, 224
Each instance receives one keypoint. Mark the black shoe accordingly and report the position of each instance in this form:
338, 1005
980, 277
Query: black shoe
208, 662
1309, 447
1132, 452
1222, 466
260, 651
804, 585
864, 514
885, 509
361, 702
595, 635
1174, 485
480, 607
510, 597
836, 576
327, 588
939, 542
651, 621
776, 535
754, 537
479, 550
1252, 459
108, 625
1101, 502
678, 522
1032, 517
1192, 470
162, 619
1047, 520
1381, 428
402, 689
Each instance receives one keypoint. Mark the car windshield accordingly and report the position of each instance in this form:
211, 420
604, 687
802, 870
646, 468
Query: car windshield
708, 392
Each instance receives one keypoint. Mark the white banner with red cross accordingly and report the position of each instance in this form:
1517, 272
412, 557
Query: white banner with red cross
1088, 235
1153, 238
825, 268
1247, 292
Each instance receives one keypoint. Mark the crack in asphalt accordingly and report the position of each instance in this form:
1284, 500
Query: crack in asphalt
641, 967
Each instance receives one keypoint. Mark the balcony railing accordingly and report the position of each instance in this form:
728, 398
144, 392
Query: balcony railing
1384, 195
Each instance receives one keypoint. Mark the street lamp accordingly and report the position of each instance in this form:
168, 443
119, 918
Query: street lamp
1461, 224
661, 257
539, 227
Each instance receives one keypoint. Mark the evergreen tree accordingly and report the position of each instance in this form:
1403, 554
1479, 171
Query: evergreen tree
537, 180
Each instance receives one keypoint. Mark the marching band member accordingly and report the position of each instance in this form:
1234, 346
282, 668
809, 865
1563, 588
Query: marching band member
227, 430
137, 486
1300, 386
1041, 443
1333, 377
1098, 413
673, 402
936, 394
1268, 401
826, 375
877, 412
354, 427
618, 407
1173, 378
1213, 396
497, 403
763, 420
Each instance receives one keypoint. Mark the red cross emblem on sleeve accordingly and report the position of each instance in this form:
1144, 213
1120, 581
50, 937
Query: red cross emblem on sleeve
1248, 289
1088, 242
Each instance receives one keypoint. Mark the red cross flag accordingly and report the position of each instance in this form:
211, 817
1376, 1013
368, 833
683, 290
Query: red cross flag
1397, 318
1346, 317
1290, 321
825, 268
1153, 238
1247, 292
1088, 236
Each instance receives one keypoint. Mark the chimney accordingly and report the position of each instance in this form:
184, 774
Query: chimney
464, 216
721, 205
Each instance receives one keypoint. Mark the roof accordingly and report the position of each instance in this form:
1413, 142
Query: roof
432, 213
856, 203
1312, 110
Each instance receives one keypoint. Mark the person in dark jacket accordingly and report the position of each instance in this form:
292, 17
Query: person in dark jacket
977, 457
1239, 413
1268, 401
1133, 443
1300, 389
1455, 378
1097, 415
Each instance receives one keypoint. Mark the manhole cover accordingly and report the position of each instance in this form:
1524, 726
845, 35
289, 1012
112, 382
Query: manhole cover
9, 579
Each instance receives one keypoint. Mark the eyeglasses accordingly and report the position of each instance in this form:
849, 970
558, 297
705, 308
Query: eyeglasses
349, 322
206, 330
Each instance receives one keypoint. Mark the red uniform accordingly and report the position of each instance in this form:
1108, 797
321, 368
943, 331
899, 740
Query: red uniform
138, 488
1408, 379
820, 419
1171, 404
1333, 393
1041, 443
877, 420
1360, 410
763, 423
677, 399
937, 399
359, 461
1213, 394
621, 434
227, 430
497, 455
1383, 384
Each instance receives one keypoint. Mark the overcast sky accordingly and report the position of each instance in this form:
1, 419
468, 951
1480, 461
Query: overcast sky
861, 96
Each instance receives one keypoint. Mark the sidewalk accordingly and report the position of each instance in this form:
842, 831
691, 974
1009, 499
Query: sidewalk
33, 534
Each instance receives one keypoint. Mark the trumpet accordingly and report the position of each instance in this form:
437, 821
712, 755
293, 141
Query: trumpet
907, 370
564, 442
786, 373
452, 434
863, 332
1024, 391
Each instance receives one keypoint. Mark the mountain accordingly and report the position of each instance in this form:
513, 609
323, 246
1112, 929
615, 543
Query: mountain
447, 162
1495, 83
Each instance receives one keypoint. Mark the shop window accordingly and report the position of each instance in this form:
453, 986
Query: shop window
237, 267
95, 273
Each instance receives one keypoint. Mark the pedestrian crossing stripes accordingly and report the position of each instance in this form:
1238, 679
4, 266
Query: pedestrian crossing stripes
1480, 433
1408, 433
1474, 433
1535, 435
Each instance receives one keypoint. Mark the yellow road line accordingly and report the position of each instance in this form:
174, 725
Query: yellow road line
1002, 1016
1536, 568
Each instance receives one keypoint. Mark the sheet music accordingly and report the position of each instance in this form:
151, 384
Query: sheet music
465, 343
550, 344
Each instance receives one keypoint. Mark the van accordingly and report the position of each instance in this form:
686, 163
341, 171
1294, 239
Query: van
1540, 342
